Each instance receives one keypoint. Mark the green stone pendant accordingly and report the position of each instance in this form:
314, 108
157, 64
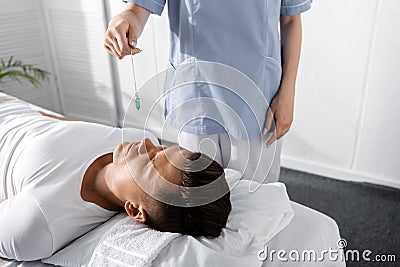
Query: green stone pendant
137, 102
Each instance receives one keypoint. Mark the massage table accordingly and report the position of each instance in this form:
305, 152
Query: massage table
306, 230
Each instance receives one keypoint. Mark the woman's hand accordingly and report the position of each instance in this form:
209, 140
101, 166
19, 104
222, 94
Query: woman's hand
124, 30
283, 104
281, 109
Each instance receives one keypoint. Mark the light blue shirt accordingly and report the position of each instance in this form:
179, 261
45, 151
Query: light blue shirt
240, 34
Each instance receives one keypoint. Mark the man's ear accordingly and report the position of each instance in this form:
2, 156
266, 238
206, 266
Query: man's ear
136, 212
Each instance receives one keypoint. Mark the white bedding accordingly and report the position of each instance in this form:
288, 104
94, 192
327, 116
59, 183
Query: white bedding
307, 230
254, 220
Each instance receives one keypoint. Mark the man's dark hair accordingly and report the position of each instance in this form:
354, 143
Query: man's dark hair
204, 220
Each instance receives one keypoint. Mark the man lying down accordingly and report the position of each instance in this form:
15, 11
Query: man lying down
60, 179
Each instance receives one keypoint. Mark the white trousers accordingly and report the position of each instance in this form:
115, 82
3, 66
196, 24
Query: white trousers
251, 157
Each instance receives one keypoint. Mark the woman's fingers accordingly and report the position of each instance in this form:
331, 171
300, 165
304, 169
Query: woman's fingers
134, 51
121, 29
123, 45
119, 43
280, 130
116, 48
111, 44
132, 36
268, 121
110, 47
119, 47
282, 112
124, 29
272, 139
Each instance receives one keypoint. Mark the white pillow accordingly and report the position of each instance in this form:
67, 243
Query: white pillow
259, 212
255, 218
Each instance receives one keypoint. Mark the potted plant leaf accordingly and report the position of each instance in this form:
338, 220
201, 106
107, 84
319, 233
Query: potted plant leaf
14, 69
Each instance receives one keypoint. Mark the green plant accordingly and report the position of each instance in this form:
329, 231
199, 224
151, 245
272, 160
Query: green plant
17, 71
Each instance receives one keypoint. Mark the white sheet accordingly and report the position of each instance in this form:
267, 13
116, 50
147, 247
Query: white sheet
13, 263
308, 230
255, 218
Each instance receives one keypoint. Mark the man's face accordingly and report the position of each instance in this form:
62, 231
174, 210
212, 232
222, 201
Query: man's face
150, 166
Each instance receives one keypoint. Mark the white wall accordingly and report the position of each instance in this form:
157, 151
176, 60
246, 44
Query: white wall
75, 31
346, 117
64, 38
23, 35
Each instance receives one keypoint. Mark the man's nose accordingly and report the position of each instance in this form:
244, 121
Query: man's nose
148, 145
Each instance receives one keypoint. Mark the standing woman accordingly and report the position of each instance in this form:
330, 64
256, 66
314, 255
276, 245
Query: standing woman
243, 35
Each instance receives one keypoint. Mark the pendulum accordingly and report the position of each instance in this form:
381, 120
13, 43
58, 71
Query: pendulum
137, 98
137, 101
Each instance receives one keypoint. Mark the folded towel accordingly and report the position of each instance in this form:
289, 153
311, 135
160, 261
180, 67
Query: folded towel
130, 243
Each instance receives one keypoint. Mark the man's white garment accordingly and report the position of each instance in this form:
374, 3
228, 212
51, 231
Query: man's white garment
42, 163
